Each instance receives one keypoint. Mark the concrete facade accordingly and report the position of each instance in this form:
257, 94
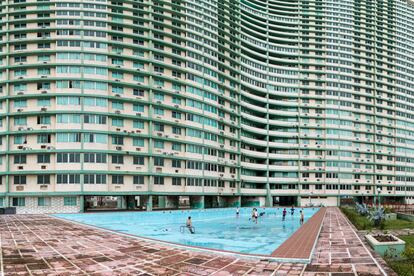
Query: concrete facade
207, 98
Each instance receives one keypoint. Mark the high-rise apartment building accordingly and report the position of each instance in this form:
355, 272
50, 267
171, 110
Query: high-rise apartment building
224, 101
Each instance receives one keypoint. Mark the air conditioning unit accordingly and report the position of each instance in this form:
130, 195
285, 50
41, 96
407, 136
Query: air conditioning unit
43, 109
117, 112
138, 149
118, 148
43, 77
118, 129
117, 95
43, 92
20, 93
43, 167
138, 114
19, 110
20, 167
20, 147
176, 105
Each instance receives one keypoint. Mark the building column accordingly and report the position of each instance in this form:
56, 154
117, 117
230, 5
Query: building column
82, 204
6, 202
149, 203
269, 199
197, 202
121, 202
162, 202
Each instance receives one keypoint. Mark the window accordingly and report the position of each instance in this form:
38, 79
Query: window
18, 201
138, 124
176, 163
138, 142
176, 181
117, 179
43, 158
20, 159
69, 201
43, 201
19, 179
43, 179
139, 160
95, 158
43, 120
158, 161
117, 140
117, 159
158, 144
94, 178
68, 157
159, 180
68, 178
43, 139
43, 102
139, 180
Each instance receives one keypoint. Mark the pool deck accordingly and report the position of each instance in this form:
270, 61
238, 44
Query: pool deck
302, 242
43, 245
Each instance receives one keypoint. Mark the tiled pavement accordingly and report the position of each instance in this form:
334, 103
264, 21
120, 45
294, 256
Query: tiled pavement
42, 245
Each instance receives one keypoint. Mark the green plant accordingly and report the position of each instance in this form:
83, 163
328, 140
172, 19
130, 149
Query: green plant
409, 253
378, 217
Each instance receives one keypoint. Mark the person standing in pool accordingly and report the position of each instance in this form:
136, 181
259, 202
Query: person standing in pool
255, 215
237, 212
284, 214
302, 217
292, 211
189, 225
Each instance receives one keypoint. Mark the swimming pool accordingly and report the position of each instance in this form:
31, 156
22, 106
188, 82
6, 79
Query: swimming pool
214, 228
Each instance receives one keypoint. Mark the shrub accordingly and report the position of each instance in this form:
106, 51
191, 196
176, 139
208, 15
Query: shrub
409, 253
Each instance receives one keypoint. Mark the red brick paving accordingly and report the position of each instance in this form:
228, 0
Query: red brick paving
43, 245
301, 243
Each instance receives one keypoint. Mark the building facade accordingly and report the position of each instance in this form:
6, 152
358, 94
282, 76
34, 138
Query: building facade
226, 102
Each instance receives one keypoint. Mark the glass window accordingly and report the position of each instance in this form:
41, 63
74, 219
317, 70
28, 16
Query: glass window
18, 201
43, 201
69, 201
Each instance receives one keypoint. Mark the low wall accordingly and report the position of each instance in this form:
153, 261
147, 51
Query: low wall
405, 216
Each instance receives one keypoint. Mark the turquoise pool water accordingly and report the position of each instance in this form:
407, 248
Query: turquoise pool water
214, 228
